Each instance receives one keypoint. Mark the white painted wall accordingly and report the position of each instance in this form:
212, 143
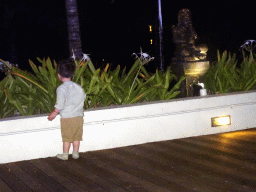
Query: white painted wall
24, 138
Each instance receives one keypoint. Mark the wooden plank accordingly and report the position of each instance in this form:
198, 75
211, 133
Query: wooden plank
247, 135
206, 158
215, 154
51, 172
242, 150
88, 173
25, 177
4, 186
222, 149
130, 181
134, 168
228, 162
108, 174
188, 163
238, 145
212, 148
64, 168
41, 177
169, 171
12, 181
222, 173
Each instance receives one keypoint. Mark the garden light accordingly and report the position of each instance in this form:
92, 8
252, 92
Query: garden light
220, 121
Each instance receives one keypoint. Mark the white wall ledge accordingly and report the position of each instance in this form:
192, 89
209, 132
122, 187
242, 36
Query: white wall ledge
31, 137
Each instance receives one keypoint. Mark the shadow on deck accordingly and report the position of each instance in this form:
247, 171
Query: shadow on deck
220, 162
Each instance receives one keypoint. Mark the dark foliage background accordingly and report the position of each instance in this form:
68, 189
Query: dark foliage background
114, 29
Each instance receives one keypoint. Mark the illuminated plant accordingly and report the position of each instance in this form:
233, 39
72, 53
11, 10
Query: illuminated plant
249, 45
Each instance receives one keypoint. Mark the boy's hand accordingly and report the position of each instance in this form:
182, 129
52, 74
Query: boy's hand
53, 114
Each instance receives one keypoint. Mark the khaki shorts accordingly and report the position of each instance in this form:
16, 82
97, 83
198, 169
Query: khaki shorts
72, 129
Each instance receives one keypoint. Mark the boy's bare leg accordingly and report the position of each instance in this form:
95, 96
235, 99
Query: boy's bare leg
76, 145
66, 147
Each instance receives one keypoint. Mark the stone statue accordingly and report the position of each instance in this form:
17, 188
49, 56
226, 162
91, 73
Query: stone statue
184, 37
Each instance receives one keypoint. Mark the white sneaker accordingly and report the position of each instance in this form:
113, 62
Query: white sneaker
75, 155
63, 156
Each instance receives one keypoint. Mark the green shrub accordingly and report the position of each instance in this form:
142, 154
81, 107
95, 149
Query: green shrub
222, 75
226, 75
33, 93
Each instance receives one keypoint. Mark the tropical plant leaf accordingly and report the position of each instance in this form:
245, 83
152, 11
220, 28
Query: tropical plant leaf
29, 93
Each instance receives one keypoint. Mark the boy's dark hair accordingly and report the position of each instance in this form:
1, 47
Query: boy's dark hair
66, 69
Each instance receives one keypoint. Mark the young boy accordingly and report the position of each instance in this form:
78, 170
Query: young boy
70, 103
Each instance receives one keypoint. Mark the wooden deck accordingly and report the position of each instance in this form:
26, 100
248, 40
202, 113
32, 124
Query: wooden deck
221, 162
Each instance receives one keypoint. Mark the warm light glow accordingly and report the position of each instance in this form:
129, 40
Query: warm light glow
219, 121
196, 68
151, 41
150, 28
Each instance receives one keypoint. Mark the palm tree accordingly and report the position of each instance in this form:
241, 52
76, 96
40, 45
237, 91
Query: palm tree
74, 36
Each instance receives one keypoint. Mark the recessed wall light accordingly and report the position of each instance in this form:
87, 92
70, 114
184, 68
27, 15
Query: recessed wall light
220, 121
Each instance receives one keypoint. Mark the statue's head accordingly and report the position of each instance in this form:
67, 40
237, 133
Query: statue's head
184, 17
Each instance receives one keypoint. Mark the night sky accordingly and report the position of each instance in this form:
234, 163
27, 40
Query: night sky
114, 29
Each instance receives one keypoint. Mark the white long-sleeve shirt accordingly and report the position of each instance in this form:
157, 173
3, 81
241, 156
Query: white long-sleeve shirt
70, 100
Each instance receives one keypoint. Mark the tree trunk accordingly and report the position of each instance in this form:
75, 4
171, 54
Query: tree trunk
74, 36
